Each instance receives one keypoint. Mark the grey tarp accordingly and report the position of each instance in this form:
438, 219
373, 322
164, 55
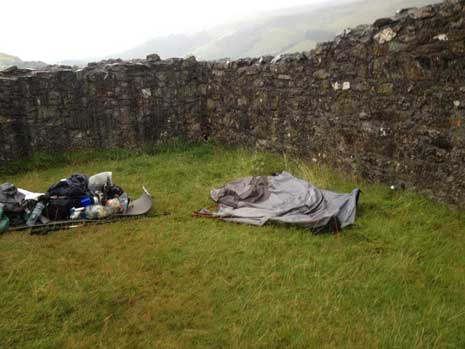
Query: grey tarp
283, 198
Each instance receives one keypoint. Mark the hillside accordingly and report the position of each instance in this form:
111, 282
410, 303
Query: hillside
9, 60
289, 30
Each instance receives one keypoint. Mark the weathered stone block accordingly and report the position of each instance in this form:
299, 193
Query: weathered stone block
386, 89
321, 74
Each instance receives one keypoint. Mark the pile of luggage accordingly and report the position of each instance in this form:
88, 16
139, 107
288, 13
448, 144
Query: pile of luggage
75, 198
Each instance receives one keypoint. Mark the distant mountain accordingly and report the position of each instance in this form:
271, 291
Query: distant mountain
170, 46
294, 29
285, 31
77, 62
8, 61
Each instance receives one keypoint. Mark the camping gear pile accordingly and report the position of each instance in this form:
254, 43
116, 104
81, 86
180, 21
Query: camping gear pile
75, 198
80, 200
282, 198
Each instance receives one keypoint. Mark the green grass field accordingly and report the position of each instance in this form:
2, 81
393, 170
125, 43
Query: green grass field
395, 279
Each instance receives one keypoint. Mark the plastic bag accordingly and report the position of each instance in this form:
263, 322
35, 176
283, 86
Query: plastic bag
98, 181
97, 212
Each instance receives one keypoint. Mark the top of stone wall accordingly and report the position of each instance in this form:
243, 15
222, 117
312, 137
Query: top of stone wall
398, 33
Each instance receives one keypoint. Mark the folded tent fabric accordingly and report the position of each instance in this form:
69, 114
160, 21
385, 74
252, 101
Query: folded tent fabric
283, 198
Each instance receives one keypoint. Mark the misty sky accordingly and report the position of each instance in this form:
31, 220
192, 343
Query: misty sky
53, 30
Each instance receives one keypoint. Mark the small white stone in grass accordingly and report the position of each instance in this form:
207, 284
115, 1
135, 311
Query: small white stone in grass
456, 104
393, 187
336, 85
146, 92
441, 37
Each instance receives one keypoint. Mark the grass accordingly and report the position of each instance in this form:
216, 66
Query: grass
395, 279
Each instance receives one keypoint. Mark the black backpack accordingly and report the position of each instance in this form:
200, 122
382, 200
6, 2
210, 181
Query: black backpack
64, 195
58, 208
72, 187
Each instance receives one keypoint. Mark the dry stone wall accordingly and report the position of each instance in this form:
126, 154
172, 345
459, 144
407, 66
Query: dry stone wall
385, 101
105, 105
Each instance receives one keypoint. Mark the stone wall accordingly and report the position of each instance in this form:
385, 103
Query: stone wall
104, 105
385, 101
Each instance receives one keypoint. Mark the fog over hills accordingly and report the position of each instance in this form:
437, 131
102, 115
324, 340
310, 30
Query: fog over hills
8, 61
289, 30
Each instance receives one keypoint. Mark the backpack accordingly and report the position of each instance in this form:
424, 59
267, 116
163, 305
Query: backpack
58, 207
11, 198
74, 186
64, 195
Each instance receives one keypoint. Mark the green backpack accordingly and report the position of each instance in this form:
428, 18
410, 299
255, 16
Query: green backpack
4, 221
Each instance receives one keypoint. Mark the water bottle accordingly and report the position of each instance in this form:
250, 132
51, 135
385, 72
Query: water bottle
97, 211
76, 213
115, 204
87, 201
124, 202
36, 213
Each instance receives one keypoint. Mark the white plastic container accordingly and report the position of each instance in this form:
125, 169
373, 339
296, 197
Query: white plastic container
96, 182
